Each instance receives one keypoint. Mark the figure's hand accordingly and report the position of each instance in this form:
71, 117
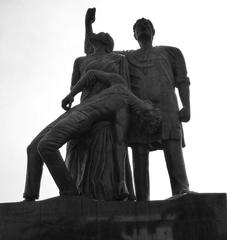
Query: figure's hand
90, 16
184, 114
67, 102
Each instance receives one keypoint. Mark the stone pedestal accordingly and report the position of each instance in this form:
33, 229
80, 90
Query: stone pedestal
192, 217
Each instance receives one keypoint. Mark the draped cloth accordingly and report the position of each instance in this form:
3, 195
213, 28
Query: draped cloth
92, 164
91, 160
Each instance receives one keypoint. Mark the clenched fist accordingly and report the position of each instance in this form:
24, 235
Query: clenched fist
90, 15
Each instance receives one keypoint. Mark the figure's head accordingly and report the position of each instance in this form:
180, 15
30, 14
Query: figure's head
102, 40
149, 117
143, 28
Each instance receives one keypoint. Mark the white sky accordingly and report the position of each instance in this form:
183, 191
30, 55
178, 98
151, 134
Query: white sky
39, 41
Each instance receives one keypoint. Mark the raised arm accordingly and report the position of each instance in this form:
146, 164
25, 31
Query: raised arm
89, 19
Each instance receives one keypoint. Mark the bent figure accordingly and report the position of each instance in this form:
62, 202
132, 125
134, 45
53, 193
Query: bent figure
114, 101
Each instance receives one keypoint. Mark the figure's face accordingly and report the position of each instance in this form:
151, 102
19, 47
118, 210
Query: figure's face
143, 30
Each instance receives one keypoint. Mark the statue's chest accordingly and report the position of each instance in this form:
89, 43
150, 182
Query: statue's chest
145, 67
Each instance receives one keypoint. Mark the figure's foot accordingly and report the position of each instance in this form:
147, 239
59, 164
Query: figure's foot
181, 194
122, 191
29, 199
188, 192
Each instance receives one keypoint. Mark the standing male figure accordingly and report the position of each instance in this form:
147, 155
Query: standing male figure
155, 72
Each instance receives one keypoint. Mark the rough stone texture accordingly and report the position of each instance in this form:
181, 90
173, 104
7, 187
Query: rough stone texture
192, 217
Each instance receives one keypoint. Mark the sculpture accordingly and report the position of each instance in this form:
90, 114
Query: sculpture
91, 160
155, 72
110, 102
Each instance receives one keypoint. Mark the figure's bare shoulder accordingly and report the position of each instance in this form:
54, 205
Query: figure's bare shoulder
79, 60
84, 60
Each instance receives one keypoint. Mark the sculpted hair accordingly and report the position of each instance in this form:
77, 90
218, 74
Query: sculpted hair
109, 43
144, 20
105, 38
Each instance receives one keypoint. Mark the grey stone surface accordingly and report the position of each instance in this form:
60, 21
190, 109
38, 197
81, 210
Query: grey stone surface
193, 216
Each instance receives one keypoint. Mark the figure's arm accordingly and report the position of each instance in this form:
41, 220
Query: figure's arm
89, 19
92, 76
108, 78
185, 112
75, 74
68, 100
182, 83
121, 128
76, 87
88, 80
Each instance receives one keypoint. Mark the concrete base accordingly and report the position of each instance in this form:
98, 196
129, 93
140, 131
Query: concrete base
192, 217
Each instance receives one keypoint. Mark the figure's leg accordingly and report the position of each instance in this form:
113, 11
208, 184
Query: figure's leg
72, 125
121, 127
129, 179
35, 165
121, 151
34, 171
175, 165
141, 171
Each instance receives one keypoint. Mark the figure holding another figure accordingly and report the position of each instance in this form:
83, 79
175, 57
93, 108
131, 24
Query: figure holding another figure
112, 102
155, 72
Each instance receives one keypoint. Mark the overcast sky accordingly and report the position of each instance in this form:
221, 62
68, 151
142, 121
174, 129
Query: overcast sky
39, 41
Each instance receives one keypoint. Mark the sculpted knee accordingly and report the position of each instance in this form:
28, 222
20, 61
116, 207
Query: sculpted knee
43, 147
31, 148
46, 148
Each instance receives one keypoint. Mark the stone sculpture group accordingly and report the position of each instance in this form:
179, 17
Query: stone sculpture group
128, 100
